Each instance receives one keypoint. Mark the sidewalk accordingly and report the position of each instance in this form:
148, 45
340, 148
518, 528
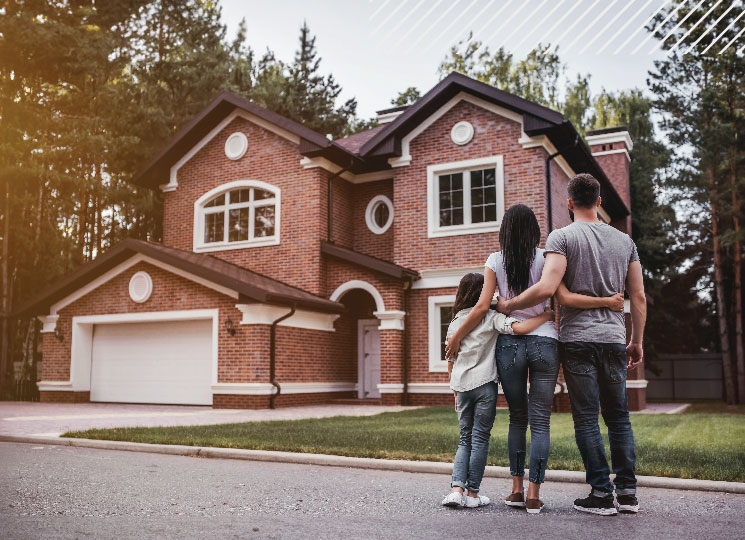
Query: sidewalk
53, 419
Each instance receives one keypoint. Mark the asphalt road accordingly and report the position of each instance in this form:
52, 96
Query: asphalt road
63, 492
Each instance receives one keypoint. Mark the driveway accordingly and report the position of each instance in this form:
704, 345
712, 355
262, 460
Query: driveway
66, 492
25, 418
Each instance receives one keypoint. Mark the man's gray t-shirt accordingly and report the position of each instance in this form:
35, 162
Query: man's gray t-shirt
598, 258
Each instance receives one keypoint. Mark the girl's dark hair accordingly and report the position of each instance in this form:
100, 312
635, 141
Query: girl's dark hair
518, 236
469, 290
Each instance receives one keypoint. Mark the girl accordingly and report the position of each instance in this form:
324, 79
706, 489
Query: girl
473, 378
521, 358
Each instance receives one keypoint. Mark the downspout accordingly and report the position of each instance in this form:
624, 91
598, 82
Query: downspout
405, 366
548, 182
272, 359
329, 219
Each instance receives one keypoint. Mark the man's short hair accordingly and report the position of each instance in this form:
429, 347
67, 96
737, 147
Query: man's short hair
584, 190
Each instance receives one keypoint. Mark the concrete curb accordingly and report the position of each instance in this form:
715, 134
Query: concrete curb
434, 467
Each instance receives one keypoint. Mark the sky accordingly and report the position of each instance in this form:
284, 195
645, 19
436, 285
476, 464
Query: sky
377, 48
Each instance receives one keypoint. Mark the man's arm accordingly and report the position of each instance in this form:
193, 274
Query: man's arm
553, 273
635, 288
581, 301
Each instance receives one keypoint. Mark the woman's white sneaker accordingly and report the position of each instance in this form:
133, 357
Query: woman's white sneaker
454, 499
474, 502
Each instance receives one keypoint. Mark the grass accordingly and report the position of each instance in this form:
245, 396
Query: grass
693, 445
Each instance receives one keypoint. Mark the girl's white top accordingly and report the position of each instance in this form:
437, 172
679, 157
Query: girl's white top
496, 264
476, 363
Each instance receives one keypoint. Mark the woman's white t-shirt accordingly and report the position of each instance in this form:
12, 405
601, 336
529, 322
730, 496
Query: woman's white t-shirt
495, 263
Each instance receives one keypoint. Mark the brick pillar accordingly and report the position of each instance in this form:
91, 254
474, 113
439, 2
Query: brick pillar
610, 147
391, 362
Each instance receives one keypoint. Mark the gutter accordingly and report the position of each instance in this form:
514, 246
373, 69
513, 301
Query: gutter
272, 355
405, 363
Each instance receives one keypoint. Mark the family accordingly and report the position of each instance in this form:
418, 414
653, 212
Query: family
587, 266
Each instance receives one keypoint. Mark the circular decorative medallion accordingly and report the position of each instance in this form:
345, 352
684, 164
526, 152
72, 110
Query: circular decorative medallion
379, 214
236, 145
462, 133
140, 287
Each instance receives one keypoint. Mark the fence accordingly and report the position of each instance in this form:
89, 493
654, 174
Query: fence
686, 376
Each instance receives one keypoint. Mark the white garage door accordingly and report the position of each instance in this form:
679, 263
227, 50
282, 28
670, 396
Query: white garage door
159, 362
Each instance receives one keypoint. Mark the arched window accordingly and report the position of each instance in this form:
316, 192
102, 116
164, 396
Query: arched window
238, 214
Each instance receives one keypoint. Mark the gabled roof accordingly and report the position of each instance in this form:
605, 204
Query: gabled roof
366, 261
250, 286
156, 170
537, 120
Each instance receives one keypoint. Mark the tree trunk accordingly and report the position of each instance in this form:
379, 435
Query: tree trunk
5, 300
739, 353
83, 225
729, 383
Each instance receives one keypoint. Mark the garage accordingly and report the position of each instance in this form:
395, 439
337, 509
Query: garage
152, 362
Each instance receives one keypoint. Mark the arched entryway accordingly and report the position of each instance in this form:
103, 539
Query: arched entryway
358, 334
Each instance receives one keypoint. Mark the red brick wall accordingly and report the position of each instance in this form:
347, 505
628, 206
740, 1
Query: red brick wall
494, 135
418, 322
272, 159
366, 241
616, 168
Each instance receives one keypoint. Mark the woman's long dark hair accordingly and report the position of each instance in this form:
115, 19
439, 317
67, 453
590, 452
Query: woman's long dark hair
469, 290
519, 236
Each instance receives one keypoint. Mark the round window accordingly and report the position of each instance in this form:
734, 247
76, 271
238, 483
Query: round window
236, 146
462, 133
379, 214
140, 287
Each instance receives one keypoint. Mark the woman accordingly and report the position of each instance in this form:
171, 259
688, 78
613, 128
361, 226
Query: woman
532, 357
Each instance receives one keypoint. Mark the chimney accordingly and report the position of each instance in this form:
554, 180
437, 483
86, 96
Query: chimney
611, 147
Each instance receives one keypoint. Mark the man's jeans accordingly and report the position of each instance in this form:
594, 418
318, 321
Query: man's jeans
477, 409
520, 358
596, 377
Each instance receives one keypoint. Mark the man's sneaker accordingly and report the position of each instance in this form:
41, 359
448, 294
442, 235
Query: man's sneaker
596, 505
534, 506
515, 499
479, 500
454, 499
627, 503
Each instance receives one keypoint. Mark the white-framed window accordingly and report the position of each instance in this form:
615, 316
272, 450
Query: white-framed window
439, 314
244, 213
379, 214
465, 197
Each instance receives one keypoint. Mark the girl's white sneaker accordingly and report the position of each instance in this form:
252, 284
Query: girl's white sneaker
454, 499
473, 502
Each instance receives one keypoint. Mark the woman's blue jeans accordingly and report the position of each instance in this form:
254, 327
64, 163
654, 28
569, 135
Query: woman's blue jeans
477, 409
519, 359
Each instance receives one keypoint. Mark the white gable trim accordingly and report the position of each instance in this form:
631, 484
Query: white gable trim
443, 279
607, 138
405, 158
173, 178
267, 314
50, 320
542, 141
620, 151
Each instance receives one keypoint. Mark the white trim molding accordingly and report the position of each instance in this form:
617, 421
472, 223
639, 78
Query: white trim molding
636, 383
172, 184
267, 314
55, 386
607, 152
434, 303
405, 158
372, 206
198, 244
434, 230
391, 388
609, 138
50, 321
390, 320
388, 117
430, 388
82, 337
359, 284
542, 141
445, 278
325, 164
267, 389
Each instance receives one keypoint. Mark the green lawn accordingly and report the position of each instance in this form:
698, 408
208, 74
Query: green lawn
693, 445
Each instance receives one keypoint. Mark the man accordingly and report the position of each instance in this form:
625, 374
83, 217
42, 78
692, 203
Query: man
595, 259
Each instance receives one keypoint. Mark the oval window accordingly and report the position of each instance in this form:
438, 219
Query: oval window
379, 214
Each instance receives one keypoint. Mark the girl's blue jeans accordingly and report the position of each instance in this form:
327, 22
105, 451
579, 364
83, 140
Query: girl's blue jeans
477, 409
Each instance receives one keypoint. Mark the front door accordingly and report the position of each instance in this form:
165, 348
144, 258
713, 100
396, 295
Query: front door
368, 366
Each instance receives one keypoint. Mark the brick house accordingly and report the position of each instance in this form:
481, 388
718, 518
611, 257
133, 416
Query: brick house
295, 269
